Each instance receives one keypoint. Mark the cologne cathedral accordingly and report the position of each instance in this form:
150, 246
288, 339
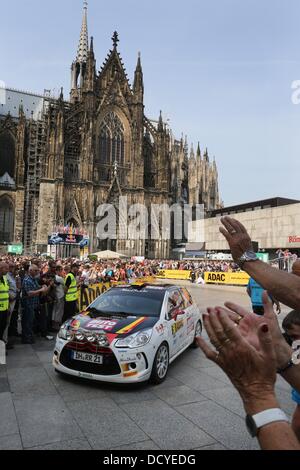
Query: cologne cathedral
60, 159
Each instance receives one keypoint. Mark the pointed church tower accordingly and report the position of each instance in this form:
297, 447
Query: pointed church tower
79, 65
90, 76
199, 152
160, 126
138, 85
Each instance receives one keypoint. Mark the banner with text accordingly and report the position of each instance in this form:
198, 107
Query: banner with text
174, 274
239, 278
87, 295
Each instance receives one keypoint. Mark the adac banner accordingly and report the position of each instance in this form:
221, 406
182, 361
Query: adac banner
144, 280
173, 274
238, 278
87, 295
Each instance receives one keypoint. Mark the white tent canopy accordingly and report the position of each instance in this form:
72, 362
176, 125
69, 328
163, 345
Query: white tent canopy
109, 255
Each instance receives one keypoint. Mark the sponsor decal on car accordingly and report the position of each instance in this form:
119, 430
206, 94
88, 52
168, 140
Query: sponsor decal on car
131, 326
127, 357
86, 376
75, 325
155, 287
160, 329
190, 325
177, 326
106, 325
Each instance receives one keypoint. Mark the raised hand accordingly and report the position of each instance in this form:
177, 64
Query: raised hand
237, 237
250, 369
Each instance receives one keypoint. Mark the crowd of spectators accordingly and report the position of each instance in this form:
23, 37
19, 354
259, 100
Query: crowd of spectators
91, 272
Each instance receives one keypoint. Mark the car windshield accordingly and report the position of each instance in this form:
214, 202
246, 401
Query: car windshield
129, 301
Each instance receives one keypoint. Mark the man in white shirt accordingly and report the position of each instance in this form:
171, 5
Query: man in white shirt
58, 309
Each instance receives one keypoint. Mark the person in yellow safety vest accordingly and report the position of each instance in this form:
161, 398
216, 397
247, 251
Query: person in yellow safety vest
71, 294
4, 298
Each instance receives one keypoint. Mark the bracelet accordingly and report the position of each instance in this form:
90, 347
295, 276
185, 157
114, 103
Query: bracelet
285, 368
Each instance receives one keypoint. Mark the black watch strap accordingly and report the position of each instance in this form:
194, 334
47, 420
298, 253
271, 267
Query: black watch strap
285, 368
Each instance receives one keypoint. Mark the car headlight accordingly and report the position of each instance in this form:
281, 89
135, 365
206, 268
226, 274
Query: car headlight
62, 334
102, 341
136, 340
79, 336
65, 333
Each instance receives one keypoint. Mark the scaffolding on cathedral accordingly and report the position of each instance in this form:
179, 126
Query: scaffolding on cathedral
35, 151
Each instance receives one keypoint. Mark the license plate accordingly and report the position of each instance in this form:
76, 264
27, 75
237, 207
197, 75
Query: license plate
87, 357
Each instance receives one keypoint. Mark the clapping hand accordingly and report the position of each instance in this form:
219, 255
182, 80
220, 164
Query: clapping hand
248, 324
248, 361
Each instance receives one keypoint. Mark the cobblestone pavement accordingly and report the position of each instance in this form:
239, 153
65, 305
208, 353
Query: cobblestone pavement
195, 408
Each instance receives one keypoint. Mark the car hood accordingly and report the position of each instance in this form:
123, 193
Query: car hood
112, 324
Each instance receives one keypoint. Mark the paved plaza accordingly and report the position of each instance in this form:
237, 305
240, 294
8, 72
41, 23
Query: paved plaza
195, 408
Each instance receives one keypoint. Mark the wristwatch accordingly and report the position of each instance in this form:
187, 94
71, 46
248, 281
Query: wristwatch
255, 422
247, 256
295, 359
291, 363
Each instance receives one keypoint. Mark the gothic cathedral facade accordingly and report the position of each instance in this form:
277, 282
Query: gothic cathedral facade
58, 167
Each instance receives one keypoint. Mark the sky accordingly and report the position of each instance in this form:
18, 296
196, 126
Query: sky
221, 71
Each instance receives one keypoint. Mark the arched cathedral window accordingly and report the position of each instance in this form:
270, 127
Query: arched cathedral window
7, 154
112, 142
6, 220
105, 143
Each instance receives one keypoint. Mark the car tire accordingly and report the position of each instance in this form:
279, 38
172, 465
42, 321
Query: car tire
198, 332
160, 365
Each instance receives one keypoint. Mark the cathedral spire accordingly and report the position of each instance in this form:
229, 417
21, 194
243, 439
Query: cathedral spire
83, 46
115, 40
206, 157
198, 151
139, 64
79, 65
90, 75
186, 147
91, 51
160, 127
138, 85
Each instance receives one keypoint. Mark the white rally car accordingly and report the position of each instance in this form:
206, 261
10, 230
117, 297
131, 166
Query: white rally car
129, 334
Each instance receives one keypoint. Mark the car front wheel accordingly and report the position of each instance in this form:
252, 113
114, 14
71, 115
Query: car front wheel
160, 365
